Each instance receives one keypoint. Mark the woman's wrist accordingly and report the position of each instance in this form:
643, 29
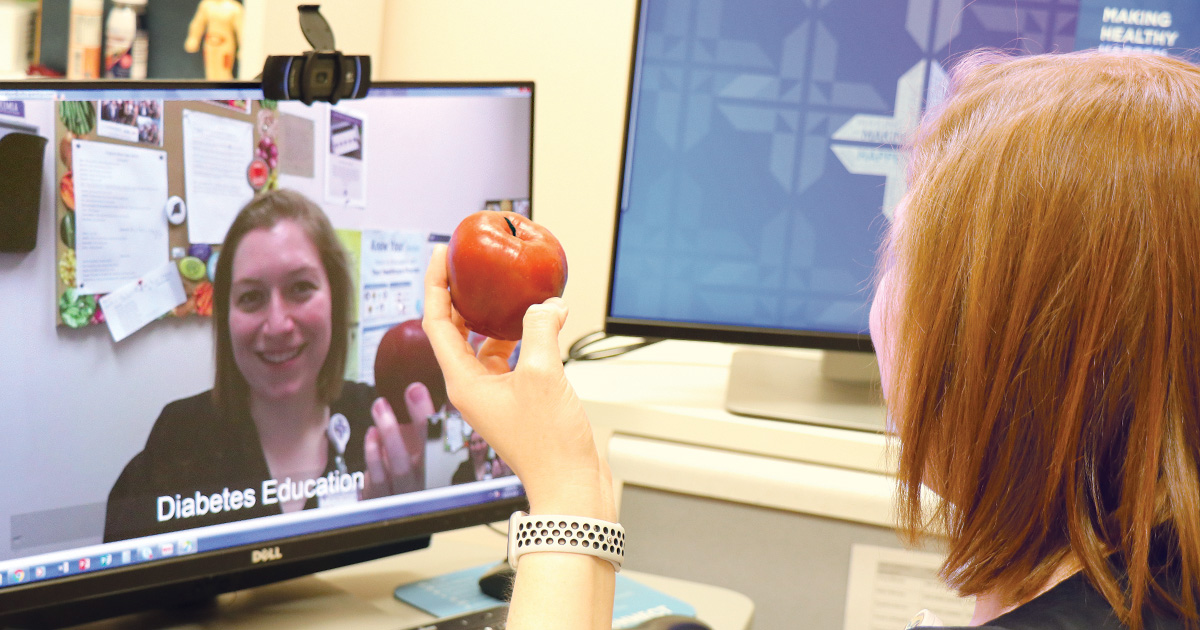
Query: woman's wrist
579, 493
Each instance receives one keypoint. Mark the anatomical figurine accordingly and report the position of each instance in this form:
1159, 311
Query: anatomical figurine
219, 23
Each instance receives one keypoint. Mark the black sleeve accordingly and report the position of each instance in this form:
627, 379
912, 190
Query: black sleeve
182, 452
126, 516
465, 473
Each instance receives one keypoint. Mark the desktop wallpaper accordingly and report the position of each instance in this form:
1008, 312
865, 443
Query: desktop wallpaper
763, 157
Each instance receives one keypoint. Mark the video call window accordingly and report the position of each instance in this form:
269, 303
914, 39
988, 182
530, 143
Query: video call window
191, 344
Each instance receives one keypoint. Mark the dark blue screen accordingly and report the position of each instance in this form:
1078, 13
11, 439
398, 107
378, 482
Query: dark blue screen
763, 149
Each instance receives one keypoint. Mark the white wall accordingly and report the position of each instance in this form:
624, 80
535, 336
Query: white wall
578, 54
272, 27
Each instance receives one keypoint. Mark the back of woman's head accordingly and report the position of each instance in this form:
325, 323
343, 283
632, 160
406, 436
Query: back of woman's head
1047, 365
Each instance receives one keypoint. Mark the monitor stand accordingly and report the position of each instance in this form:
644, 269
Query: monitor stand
829, 388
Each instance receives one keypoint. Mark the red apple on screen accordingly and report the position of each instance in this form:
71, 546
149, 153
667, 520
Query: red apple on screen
405, 356
500, 263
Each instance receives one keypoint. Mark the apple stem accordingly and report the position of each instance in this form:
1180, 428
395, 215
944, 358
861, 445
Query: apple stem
511, 226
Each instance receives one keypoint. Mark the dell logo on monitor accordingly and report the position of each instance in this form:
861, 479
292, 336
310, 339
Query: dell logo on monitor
265, 554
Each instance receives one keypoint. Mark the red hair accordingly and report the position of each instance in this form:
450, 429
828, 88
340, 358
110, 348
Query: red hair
1046, 376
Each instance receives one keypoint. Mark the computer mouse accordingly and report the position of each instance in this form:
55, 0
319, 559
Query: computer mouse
497, 581
672, 622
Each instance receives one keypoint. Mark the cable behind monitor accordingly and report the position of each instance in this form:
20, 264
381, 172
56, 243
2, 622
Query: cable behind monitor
579, 350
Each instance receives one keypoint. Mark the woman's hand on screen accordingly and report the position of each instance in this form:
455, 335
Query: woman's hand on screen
529, 414
395, 452
499, 468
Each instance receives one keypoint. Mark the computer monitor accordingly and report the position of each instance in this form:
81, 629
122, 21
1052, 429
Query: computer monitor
128, 485
762, 162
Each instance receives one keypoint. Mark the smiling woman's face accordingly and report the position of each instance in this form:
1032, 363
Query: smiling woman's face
280, 315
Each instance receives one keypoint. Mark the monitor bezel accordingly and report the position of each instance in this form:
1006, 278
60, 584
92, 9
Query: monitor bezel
692, 330
199, 577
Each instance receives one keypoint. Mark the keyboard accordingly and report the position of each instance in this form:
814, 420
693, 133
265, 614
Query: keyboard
486, 619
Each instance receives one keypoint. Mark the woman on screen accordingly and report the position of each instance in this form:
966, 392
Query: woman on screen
281, 430
481, 462
1036, 331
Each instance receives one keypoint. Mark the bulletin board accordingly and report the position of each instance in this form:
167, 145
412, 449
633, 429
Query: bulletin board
120, 159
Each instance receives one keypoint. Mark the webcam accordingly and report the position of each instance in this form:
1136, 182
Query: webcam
321, 74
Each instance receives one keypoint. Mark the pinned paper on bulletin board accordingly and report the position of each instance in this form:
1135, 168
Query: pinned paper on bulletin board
215, 152
120, 225
131, 307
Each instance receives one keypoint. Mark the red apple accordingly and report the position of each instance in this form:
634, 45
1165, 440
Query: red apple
501, 263
405, 356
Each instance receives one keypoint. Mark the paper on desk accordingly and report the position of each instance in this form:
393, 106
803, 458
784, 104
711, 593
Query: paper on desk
458, 593
887, 586
216, 154
129, 308
120, 224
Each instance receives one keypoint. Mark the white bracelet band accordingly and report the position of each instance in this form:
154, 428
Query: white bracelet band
572, 534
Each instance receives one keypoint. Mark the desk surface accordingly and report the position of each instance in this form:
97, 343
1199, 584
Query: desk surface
675, 391
360, 596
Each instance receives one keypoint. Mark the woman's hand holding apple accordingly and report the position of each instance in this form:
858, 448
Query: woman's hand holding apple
529, 415
395, 451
